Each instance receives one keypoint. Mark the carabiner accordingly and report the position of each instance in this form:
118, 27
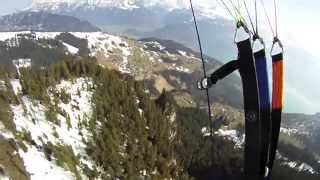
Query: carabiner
276, 41
241, 25
257, 38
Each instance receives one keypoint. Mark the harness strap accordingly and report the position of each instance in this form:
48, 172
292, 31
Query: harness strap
224, 71
265, 106
277, 105
252, 155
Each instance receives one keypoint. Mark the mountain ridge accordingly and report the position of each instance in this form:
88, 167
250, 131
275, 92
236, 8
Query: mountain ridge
122, 4
43, 21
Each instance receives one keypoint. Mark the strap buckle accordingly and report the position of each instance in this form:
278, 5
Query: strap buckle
276, 41
257, 39
241, 24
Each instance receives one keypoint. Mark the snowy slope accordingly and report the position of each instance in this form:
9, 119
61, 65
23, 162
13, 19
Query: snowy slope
29, 117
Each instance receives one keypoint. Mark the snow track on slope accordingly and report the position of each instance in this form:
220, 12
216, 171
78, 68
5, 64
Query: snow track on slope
29, 117
105, 43
71, 49
40, 168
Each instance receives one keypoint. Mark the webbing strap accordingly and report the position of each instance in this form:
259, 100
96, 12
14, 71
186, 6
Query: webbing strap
265, 106
251, 108
277, 105
224, 71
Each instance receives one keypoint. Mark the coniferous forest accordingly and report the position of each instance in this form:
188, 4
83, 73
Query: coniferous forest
133, 133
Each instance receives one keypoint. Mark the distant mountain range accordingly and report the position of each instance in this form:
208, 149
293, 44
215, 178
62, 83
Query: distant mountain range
115, 15
42, 21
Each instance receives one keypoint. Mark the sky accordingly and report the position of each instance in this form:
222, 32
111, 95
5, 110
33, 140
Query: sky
300, 20
9, 6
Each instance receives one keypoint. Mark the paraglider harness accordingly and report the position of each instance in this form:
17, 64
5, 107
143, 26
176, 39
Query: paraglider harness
262, 113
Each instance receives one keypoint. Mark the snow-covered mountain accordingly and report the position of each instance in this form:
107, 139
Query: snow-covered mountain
121, 4
120, 15
54, 4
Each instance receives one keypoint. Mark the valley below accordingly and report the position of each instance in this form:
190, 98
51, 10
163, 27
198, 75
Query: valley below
91, 105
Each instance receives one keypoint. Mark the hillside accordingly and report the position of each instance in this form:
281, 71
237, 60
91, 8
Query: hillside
163, 64
171, 19
96, 109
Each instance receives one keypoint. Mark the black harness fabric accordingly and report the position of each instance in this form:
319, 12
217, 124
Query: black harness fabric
224, 71
246, 66
252, 157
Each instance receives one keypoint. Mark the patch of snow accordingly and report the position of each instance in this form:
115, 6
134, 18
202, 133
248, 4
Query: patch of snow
143, 172
22, 63
71, 49
233, 136
39, 35
79, 110
102, 42
7, 35
292, 164
4, 177
183, 53
206, 131
173, 56
288, 131
182, 69
152, 59
3, 85
16, 86
124, 66
154, 44
30, 117
40, 168
302, 167
296, 165
47, 35
306, 167
99, 41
